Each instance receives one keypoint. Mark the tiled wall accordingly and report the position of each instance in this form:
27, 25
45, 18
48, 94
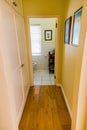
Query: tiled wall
46, 24
42, 61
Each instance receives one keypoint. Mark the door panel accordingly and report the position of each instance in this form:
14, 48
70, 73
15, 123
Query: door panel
10, 48
22, 45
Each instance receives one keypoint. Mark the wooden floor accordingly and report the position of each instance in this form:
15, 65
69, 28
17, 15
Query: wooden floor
45, 109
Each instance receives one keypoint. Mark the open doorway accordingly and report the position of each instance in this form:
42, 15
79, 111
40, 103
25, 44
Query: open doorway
43, 41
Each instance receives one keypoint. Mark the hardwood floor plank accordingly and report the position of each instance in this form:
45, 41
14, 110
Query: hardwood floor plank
45, 109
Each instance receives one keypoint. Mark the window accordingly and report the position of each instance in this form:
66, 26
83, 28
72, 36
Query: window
35, 33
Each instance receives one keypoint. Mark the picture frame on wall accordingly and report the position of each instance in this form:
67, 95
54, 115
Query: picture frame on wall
67, 30
76, 27
48, 35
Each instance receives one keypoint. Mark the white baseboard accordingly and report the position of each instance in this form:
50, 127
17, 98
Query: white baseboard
22, 107
59, 85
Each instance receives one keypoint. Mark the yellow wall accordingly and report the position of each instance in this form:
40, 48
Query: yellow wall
69, 57
73, 78
46, 8
80, 83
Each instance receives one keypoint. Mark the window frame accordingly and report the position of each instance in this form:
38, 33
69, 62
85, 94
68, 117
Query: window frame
40, 52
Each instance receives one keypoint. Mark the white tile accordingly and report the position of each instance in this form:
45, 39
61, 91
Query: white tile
42, 77
46, 78
37, 78
37, 82
52, 82
52, 78
44, 82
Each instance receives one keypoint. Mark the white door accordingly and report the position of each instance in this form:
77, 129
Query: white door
10, 53
22, 45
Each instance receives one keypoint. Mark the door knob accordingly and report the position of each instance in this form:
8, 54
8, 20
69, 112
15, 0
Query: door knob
22, 65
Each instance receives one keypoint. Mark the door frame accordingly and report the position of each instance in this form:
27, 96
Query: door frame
56, 46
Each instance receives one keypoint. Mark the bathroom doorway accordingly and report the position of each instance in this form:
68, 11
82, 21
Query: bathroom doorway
43, 41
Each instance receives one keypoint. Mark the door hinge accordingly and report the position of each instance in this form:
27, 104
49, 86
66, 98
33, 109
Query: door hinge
56, 25
54, 76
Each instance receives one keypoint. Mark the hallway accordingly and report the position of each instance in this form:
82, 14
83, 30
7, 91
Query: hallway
45, 109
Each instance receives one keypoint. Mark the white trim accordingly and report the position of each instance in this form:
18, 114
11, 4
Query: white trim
22, 107
66, 101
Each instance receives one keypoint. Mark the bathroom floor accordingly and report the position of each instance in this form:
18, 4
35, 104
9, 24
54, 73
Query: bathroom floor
42, 77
